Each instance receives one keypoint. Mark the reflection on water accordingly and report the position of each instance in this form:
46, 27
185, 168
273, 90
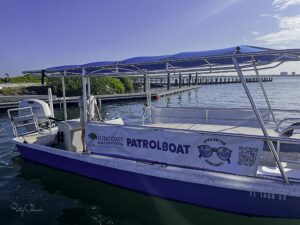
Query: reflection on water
35, 194
95, 201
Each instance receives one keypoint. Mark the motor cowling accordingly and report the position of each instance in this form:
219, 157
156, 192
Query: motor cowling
40, 109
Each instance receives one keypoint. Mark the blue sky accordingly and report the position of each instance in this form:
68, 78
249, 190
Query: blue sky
38, 34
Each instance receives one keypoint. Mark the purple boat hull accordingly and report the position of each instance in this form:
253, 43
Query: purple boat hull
236, 201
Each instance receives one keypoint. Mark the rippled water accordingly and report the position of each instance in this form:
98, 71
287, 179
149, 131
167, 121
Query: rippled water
35, 194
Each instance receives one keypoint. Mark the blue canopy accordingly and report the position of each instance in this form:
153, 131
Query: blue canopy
221, 57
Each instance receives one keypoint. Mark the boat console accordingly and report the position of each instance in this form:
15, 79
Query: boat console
69, 135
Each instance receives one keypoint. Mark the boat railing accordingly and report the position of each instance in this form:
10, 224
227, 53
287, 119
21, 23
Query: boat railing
212, 116
294, 121
23, 121
219, 116
287, 132
146, 114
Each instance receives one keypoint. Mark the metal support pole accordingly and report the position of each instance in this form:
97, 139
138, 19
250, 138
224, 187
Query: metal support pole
89, 96
64, 94
180, 80
260, 120
196, 80
190, 79
168, 77
84, 95
89, 86
43, 77
50, 99
264, 91
148, 89
145, 83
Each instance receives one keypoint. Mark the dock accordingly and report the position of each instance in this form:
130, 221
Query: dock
7, 102
194, 79
233, 79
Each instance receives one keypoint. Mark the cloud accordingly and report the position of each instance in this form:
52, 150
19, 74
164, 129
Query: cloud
255, 33
283, 4
288, 33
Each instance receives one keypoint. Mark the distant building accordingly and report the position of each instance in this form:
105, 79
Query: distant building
293, 73
283, 73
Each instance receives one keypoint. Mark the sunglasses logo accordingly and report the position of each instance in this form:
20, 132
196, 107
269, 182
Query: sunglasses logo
223, 153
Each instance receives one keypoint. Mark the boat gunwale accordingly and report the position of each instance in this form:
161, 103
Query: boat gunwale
269, 184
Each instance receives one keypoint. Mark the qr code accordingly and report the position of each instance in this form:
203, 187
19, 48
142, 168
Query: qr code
247, 156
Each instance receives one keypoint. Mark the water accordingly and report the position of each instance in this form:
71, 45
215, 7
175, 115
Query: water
35, 194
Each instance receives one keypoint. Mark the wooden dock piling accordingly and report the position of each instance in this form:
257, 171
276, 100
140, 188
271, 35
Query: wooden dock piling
180, 80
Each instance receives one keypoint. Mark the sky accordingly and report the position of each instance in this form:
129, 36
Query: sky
38, 34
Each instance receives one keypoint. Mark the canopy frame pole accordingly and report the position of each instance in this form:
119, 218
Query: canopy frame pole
148, 89
84, 102
64, 94
89, 96
264, 91
168, 76
84, 95
147, 105
260, 120
50, 100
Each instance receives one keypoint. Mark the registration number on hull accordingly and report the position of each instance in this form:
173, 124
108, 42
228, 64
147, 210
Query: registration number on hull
269, 196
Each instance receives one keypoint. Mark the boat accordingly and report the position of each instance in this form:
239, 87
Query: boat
238, 160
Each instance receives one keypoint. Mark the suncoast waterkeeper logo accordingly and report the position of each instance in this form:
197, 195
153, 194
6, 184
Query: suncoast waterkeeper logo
106, 140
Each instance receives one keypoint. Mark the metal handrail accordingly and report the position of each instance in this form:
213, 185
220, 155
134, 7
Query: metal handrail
227, 108
264, 91
281, 134
17, 109
259, 118
145, 114
206, 116
16, 131
285, 120
206, 109
25, 124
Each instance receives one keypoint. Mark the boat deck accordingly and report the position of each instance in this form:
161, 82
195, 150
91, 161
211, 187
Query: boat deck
292, 171
248, 131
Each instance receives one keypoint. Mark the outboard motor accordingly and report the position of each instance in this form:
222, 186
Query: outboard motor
40, 109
